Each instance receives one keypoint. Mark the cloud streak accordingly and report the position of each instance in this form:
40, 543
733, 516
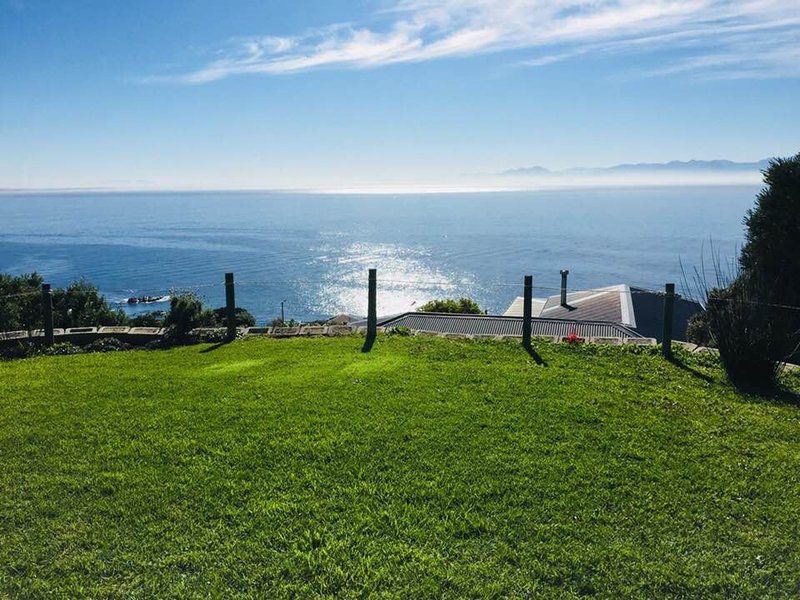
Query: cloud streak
720, 38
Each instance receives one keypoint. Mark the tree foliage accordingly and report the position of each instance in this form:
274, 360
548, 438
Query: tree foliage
752, 321
243, 317
772, 249
20, 301
82, 305
463, 305
186, 312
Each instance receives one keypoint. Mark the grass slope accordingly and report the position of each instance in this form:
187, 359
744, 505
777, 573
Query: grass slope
427, 468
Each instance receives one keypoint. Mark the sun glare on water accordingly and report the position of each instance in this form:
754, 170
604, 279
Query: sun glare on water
407, 278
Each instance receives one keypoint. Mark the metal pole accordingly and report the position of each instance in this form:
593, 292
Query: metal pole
527, 310
669, 304
283, 319
230, 306
47, 313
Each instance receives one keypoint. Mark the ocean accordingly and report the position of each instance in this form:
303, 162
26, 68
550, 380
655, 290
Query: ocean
313, 250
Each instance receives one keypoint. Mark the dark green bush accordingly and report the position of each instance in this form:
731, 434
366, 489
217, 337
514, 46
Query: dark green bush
745, 336
772, 247
243, 317
185, 313
697, 330
20, 302
278, 322
79, 305
771, 254
107, 345
151, 319
22, 349
61, 349
82, 305
448, 305
750, 315
210, 336
400, 330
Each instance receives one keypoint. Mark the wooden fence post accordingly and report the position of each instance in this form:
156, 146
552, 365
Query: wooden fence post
527, 311
669, 305
47, 313
230, 306
372, 308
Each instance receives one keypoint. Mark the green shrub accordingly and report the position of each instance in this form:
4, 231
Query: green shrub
744, 335
697, 330
400, 330
210, 336
107, 345
61, 349
749, 313
278, 322
79, 305
185, 313
151, 319
773, 233
448, 305
243, 317
771, 254
82, 305
21, 349
20, 302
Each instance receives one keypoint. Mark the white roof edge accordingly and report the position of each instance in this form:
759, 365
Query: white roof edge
515, 308
626, 307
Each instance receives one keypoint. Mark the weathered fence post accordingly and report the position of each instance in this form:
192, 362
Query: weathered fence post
47, 313
372, 310
669, 304
527, 311
230, 306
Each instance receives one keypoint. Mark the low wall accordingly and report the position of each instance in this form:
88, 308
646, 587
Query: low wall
139, 336
136, 336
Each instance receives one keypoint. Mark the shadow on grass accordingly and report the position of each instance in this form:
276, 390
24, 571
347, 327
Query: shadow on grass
216, 346
777, 395
783, 396
368, 343
689, 369
534, 355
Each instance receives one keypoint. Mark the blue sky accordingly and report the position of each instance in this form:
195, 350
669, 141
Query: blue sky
335, 95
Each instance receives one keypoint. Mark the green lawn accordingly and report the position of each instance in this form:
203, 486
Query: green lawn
428, 468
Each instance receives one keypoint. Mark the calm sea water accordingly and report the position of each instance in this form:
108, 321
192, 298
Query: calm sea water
313, 251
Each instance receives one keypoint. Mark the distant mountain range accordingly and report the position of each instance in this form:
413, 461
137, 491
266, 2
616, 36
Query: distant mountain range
725, 166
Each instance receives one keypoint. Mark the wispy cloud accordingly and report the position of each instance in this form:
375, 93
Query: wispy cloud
724, 38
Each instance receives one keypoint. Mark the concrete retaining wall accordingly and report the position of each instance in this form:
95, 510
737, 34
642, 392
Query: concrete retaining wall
139, 336
81, 336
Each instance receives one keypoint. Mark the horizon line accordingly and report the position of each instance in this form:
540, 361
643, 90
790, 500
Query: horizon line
368, 190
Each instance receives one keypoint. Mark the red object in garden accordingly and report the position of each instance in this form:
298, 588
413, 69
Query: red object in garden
573, 338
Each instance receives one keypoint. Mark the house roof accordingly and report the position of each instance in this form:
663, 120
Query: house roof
504, 325
636, 308
649, 309
612, 303
516, 308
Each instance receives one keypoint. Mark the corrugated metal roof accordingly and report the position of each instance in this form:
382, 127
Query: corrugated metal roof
512, 326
